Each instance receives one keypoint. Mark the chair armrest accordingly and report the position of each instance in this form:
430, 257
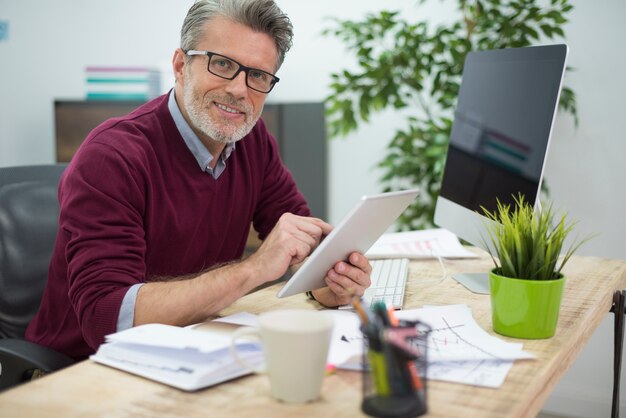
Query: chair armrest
20, 359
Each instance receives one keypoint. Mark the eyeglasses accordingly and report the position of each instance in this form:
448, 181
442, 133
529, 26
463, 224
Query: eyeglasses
228, 69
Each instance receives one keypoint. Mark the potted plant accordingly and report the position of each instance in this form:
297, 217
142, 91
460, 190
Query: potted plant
527, 282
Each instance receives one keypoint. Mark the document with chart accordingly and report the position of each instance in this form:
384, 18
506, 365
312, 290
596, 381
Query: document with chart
427, 243
459, 350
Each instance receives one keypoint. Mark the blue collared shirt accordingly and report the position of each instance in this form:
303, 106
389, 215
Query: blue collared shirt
202, 155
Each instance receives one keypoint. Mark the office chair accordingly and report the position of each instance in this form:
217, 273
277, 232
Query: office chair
29, 212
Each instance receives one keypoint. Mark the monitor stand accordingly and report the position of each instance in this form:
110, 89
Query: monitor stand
475, 282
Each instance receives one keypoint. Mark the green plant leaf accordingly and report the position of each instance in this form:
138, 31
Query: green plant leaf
528, 244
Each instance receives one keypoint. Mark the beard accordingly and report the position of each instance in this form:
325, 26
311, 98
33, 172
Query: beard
221, 130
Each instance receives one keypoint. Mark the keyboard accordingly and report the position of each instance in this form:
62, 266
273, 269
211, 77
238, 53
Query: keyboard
388, 282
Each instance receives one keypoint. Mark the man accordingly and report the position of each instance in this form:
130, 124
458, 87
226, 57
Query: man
156, 205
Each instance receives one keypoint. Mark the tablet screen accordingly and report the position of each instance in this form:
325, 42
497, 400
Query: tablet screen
363, 225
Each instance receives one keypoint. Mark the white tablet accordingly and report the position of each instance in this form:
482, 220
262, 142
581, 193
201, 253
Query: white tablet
363, 225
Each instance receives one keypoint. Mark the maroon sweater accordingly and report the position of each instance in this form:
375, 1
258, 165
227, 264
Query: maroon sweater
135, 205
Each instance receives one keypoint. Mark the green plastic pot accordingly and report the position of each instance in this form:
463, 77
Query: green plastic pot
525, 308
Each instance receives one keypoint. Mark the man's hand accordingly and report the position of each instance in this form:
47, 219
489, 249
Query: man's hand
290, 242
344, 281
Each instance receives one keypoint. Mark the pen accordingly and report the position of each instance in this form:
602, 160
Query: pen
377, 360
393, 320
359, 310
398, 337
380, 310
397, 372
415, 376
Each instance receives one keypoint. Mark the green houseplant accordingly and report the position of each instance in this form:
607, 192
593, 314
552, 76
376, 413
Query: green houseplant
414, 66
526, 285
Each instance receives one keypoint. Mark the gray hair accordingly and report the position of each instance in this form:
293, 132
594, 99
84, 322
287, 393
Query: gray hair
259, 15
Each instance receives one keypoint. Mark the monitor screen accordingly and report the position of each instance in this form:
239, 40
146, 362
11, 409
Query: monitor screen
499, 139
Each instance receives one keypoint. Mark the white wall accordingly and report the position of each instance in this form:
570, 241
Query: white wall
50, 43
586, 173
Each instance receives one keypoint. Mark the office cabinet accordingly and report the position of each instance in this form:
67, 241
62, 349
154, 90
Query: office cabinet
301, 134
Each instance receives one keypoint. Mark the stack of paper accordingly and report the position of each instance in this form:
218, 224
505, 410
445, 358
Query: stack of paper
180, 357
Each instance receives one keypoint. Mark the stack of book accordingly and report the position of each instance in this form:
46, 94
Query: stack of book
185, 358
122, 83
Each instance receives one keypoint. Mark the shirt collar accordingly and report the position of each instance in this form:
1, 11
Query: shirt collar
197, 148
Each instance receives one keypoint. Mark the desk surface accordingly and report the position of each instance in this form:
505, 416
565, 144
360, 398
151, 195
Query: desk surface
89, 389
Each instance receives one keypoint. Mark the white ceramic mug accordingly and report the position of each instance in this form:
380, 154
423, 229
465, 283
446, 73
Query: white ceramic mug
295, 343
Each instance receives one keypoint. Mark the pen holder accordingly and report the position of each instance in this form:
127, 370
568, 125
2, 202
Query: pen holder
394, 370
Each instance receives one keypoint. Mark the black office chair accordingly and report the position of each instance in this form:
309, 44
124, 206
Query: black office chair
29, 212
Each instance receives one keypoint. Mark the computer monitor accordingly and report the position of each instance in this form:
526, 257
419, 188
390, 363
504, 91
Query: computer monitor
499, 140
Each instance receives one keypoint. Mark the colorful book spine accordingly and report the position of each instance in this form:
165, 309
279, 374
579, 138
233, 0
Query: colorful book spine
122, 83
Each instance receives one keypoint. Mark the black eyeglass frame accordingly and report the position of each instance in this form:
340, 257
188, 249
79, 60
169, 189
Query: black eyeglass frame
245, 69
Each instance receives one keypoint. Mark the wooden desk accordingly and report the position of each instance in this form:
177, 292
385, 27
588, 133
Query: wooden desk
89, 389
